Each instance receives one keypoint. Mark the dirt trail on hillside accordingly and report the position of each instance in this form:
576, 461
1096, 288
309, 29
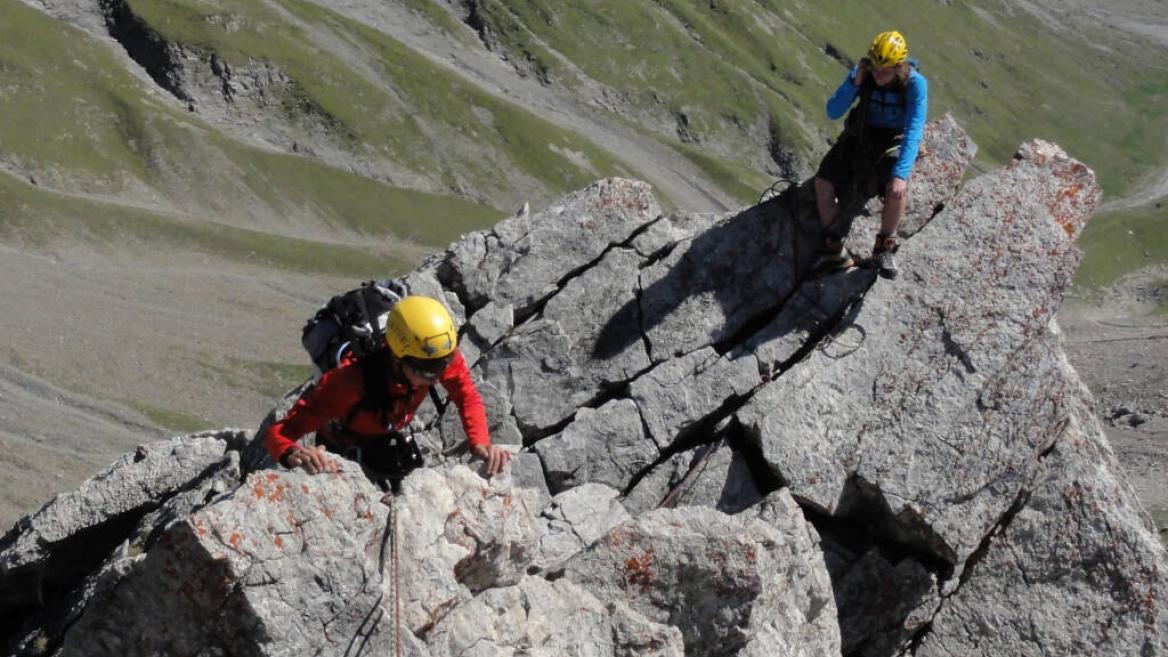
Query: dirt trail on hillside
1147, 19
1154, 191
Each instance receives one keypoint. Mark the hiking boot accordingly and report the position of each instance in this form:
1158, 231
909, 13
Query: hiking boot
882, 256
833, 258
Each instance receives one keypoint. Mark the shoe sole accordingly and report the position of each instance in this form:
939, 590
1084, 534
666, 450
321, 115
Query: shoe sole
834, 267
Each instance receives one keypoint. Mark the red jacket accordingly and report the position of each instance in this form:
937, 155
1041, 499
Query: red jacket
339, 389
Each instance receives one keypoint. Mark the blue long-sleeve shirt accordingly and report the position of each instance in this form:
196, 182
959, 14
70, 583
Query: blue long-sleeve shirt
885, 110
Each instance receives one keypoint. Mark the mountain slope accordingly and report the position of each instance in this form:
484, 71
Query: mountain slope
724, 456
186, 181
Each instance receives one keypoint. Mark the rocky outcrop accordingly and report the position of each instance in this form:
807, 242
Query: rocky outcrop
58, 561
721, 455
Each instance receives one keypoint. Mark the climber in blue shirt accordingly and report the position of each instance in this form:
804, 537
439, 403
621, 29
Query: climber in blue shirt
882, 134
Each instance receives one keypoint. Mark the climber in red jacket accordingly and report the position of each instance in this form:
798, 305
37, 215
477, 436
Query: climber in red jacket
359, 408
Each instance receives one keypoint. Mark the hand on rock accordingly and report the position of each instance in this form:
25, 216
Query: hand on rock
495, 456
312, 460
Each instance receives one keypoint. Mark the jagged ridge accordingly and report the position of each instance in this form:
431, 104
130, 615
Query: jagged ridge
930, 431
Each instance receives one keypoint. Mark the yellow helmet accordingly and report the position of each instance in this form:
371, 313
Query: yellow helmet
888, 49
420, 329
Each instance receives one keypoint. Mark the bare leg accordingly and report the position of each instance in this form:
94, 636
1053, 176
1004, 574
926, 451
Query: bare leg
832, 255
892, 214
828, 207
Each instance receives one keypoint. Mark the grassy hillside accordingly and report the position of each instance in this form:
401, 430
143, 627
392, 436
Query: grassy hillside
397, 154
725, 77
46, 221
1121, 242
729, 65
732, 86
77, 121
380, 100
158, 263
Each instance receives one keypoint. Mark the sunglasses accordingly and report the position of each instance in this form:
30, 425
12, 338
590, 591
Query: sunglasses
427, 368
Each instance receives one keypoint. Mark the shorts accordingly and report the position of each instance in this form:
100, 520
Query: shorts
865, 168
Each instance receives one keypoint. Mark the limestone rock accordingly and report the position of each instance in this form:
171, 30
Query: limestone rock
548, 619
845, 465
50, 551
607, 445
732, 585
1072, 569
931, 374
574, 520
524, 257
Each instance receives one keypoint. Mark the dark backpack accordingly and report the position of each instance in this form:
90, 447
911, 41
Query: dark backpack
351, 322
354, 322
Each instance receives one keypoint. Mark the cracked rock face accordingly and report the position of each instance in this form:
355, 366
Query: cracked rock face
722, 455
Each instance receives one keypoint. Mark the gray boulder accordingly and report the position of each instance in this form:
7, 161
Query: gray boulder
732, 585
548, 619
745, 458
606, 445
575, 520
51, 550
1073, 568
928, 400
525, 258
294, 564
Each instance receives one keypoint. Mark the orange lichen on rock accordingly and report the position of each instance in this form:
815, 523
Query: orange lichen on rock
639, 570
273, 494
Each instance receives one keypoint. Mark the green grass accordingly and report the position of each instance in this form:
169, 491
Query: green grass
356, 203
176, 421
68, 104
530, 144
322, 84
270, 379
1007, 79
275, 378
743, 183
73, 116
39, 218
80, 122
1123, 242
440, 18
1160, 518
380, 97
641, 51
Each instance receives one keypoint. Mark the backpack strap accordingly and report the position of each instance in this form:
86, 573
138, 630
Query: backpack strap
859, 122
375, 387
437, 400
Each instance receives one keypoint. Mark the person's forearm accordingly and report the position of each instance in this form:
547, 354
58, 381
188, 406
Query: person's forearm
843, 97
